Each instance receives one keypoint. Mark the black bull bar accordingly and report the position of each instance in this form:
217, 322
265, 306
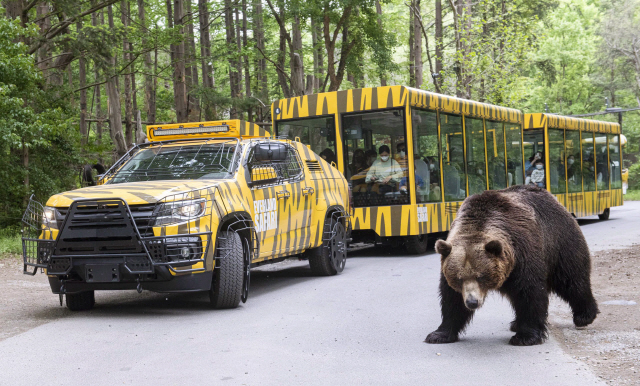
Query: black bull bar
106, 229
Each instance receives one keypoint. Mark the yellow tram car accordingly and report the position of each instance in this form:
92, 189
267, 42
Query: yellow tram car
582, 161
191, 210
455, 148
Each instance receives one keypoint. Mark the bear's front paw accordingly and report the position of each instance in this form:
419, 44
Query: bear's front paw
513, 326
530, 339
586, 318
441, 337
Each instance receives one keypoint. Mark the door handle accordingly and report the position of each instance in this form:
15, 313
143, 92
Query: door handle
308, 191
283, 194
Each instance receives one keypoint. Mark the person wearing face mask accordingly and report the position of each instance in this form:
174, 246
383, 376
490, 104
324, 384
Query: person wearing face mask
571, 167
385, 171
537, 175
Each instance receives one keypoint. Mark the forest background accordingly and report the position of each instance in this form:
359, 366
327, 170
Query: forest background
80, 79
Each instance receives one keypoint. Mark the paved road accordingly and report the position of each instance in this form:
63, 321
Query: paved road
365, 326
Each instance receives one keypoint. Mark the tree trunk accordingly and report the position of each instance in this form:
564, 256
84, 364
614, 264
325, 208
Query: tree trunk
417, 41
113, 100
336, 76
412, 46
439, 43
205, 53
239, 53
231, 42
25, 165
82, 78
194, 103
179, 83
261, 66
149, 90
98, 102
245, 48
295, 61
466, 45
43, 56
128, 108
383, 79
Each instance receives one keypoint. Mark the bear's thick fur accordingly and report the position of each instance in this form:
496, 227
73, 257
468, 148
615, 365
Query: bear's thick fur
523, 243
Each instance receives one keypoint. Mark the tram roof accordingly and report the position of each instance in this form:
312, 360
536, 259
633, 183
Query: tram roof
375, 98
540, 120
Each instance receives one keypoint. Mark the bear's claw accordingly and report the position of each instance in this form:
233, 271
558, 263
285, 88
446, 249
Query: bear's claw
520, 339
440, 337
584, 319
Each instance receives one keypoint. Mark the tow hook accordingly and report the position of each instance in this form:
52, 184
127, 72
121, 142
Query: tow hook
62, 290
139, 286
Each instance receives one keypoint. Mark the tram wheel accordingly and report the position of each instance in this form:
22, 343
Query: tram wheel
416, 245
604, 215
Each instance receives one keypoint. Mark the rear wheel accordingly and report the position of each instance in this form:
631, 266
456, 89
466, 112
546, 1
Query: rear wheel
228, 275
81, 301
416, 245
329, 258
604, 215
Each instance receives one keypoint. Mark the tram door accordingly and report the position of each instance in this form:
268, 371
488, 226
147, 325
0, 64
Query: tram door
533, 145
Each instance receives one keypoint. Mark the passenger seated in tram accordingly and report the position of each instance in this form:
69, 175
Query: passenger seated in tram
529, 165
385, 172
477, 179
537, 175
358, 162
329, 156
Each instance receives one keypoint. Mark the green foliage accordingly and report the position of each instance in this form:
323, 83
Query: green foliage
34, 121
10, 242
632, 195
634, 177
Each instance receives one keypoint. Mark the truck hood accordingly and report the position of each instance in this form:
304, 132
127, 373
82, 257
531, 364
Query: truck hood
133, 193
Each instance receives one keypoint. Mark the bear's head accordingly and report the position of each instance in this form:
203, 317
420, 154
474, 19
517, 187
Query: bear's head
473, 266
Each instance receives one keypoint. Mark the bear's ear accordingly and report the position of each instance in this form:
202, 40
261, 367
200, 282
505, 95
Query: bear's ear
494, 247
443, 248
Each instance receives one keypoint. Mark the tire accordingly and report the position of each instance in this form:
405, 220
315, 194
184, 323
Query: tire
329, 258
605, 214
81, 301
416, 245
228, 275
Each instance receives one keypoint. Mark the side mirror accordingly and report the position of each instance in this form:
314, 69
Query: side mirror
270, 151
263, 174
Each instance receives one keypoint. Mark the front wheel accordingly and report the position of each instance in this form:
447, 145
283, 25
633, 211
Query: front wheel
604, 215
329, 258
81, 301
228, 275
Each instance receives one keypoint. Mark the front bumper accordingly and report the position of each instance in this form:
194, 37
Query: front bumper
99, 246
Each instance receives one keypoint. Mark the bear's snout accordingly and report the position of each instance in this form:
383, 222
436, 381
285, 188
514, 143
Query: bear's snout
471, 303
472, 294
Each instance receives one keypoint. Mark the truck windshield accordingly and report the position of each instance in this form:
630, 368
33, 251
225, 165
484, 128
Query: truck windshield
174, 162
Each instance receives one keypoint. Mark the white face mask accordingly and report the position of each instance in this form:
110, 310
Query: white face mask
432, 166
480, 171
571, 161
591, 168
384, 158
402, 153
538, 166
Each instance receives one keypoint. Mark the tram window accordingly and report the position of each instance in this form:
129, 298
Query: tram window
515, 174
476, 165
602, 162
572, 160
452, 145
426, 155
318, 133
556, 170
495, 155
588, 164
380, 137
614, 161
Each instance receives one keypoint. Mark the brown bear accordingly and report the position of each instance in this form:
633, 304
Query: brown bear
521, 242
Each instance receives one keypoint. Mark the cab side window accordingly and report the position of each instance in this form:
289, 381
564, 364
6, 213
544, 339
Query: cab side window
274, 172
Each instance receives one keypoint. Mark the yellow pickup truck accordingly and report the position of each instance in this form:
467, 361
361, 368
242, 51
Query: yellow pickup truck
193, 209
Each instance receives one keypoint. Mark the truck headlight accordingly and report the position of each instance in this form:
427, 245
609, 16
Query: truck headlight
180, 211
49, 217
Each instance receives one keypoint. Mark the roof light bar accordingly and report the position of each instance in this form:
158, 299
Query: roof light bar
159, 132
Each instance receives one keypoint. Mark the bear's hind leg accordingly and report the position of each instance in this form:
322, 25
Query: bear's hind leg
455, 316
531, 306
576, 291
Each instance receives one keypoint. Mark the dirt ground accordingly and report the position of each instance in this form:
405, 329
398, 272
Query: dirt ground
611, 345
